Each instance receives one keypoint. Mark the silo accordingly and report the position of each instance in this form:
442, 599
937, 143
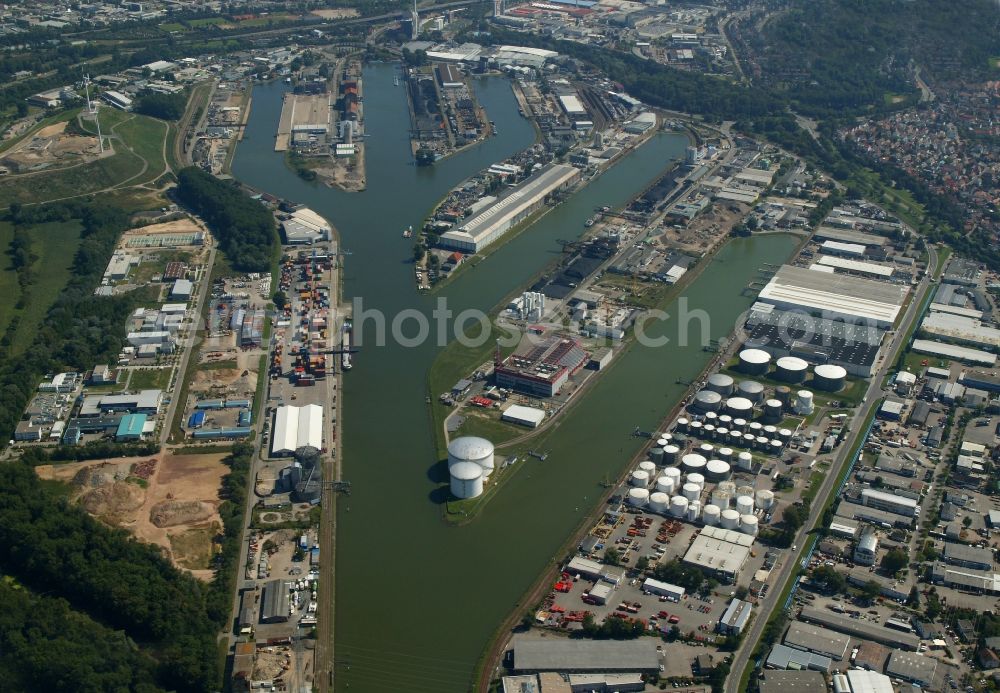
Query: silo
471, 449
682, 424
678, 506
656, 455
705, 401
706, 450
803, 402
744, 461
739, 407
783, 394
708, 431
764, 499
673, 473
690, 491
711, 514
751, 390
717, 470
665, 485
648, 467
785, 434
693, 462
730, 519
659, 502
639, 478
697, 479
748, 524
721, 383
754, 361
744, 490
694, 511
744, 505
466, 479
829, 378
670, 453
725, 454
720, 498
638, 497
773, 410
791, 369
763, 443
739, 424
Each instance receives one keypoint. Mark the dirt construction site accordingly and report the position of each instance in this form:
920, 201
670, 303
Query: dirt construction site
166, 499
50, 147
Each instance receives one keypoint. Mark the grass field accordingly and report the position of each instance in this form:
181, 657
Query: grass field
206, 21
171, 27
149, 379
487, 425
54, 245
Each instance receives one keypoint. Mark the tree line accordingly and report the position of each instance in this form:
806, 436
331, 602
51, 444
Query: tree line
244, 228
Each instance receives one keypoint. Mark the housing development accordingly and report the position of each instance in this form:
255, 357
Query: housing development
511, 347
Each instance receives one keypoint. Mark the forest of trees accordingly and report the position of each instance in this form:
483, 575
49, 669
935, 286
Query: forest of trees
163, 106
244, 228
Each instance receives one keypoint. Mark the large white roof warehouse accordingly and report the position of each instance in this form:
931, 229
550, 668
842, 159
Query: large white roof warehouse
835, 295
296, 427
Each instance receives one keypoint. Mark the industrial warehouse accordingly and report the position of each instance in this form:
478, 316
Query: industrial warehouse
544, 369
297, 427
487, 226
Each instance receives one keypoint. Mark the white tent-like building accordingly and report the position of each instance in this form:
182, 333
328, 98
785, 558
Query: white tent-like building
296, 427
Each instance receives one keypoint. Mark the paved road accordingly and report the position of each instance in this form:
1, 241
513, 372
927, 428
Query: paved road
791, 561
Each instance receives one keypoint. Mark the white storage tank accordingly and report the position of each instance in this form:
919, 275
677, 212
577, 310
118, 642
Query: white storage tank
803, 402
744, 460
771, 431
471, 449
717, 470
690, 491
673, 473
648, 467
755, 428
748, 524
739, 424
736, 439
705, 401
762, 443
466, 479
711, 515
829, 378
722, 434
749, 439
693, 462
744, 490
730, 519
638, 497
708, 431
678, 506
697, 479
773, 410
682, 424
694, 511
694, 428
776, 446
754, 361
728, 486
711, 417
725, 454
739, 407
752, 390
659, 502
791, 369
785, 434
725, 420
744, 505
765, 499
639, 478
670, 453
720, 498
665, 485
721, 383
661, 441
706, 450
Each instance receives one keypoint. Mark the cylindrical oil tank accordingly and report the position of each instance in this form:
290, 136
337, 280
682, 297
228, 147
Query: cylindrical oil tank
668, 438
694, 511
744, 460
466, 479
764, 499
771, 431
648, 467
728, 486
803, 402
783, 394
697, 479
673, 473
706, 450
708, 431
773, 410
744, 490
725, 420
666, 485
776, 446
722, 434
659, 502
721, 383
752, 390
791, 369
754, 361
748, 524
638, 497
682, 424
711, 418
725, 454
755, 427
739, 424
717, 470
694, 428
720, 498
471, 449
711, 514
656, 455
762, 443
736, 439
744, 504
749, 440
785, 434
661, 441
678, 506
693, 462
639, 478
739, 407
670, 453
690, 491
730, 519
829, 378
705, 401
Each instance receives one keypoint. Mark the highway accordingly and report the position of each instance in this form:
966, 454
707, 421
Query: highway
790, 562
